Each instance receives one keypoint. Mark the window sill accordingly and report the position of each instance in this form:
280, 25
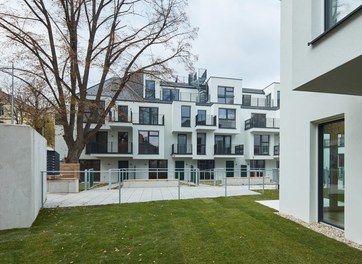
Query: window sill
327, 32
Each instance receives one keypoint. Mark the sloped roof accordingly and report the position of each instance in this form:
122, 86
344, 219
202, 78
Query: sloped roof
133, 90
3, 96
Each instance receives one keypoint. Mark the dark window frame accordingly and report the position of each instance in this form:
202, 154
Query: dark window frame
142, 149
225, 95
150, 89
186, 119
150, 114
201, 148
262, 144
227, 117
170, 95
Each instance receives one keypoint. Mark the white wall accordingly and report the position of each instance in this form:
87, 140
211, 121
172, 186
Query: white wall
301, 113
214, 82
22, 158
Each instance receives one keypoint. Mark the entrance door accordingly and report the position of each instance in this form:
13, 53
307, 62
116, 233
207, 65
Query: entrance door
229, 168
331, 173
243, 171
123, 142
180, 169
123, 164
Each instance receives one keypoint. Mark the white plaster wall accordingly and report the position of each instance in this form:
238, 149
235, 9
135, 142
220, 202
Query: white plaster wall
214, 82
312, 61
22, 158
301, 112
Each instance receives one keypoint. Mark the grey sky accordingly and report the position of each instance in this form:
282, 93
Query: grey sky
238, 38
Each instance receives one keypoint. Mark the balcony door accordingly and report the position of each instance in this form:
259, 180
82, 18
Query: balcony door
222, 144
331, 173
181, 143
259, 120
123, 142
102, 142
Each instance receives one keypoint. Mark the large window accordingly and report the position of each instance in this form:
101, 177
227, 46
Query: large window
148, 142
261, 144
206, 168
201, 143
225, 95
157, 169
122, 113
257, 168
148, 116
150, 89
170, 94
201, 117
247, 99
185, 116
222, 145
336, 10
93, 110
227, 118
331, 173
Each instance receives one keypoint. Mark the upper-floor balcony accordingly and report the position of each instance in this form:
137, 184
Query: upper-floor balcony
225, 123
153, 120
115, 148
253, 101
262, 123
228, 150
120, 119
181, 149
183, 96
205, 122
276, 150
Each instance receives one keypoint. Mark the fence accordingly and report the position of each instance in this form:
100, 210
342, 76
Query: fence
221, 181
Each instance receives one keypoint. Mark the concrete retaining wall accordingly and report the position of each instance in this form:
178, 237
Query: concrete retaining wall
22, 158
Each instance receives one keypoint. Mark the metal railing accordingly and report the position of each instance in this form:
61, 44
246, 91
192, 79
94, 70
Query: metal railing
208, 120
228, 150
225, 123
120, 118
266, 123
110, 148
156, 120
276, 150
181, 149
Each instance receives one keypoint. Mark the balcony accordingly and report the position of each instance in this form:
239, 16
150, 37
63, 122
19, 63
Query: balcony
120, 120
110, 148
205, 122
259, 102
276, 150
261, 150
262, 123
228, 150
183, 149
228, 124
155, 120
147, 148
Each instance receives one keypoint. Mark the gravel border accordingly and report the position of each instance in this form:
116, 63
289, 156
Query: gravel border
324, 229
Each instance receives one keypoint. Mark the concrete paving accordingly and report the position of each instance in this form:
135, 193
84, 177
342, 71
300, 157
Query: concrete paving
137, 195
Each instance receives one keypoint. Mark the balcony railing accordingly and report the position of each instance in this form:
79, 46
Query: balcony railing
228, 150
224, 123
259, 102
156, 120
120, 118
261, 150
208, 120
276, 150
181, 149
147, 148
110, 148
184, 97
266, 123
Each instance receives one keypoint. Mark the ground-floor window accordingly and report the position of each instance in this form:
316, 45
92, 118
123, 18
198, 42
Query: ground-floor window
157, 169
206, 168
90, 164
331, 173
257, 168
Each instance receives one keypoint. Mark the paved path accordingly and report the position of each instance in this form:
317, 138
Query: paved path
137, 195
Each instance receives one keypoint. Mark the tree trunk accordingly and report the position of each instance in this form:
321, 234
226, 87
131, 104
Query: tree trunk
74, 153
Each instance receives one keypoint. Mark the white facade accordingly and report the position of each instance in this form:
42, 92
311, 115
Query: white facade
216, 111
22, 188
328, 65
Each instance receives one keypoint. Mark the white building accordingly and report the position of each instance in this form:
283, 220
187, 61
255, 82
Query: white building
205, 123
321, 120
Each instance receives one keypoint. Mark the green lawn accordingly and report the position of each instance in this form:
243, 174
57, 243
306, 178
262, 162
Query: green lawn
221, 230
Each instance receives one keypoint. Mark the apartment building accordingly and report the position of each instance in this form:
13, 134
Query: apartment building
321, 58
205, 123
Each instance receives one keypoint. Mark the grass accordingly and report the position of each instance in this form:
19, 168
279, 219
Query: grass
221, 230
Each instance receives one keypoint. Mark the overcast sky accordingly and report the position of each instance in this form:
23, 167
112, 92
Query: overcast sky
238, 38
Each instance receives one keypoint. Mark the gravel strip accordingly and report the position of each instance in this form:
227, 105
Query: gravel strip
324, 229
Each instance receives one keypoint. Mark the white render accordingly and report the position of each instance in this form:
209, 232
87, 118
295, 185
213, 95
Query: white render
168, 132
22, 189
320, 67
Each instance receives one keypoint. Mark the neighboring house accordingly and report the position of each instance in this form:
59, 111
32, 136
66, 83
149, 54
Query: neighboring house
205, 123
5, 108
321, 62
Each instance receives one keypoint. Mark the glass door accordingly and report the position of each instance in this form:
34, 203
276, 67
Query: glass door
331, 173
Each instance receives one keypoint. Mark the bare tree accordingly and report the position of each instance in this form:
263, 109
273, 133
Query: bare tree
71, 41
